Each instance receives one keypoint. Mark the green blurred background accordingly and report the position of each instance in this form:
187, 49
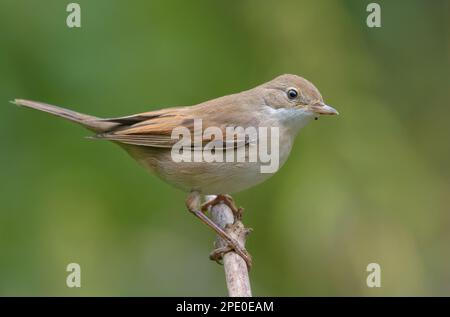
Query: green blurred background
371, 185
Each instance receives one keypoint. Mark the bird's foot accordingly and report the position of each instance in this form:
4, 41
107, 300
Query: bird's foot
217, 254
231, 244
227, 200
238, 234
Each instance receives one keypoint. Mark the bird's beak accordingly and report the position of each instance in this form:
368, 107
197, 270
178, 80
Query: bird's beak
322, 109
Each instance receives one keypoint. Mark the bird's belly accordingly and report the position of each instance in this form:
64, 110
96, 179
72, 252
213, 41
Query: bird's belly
212, 178
207, 177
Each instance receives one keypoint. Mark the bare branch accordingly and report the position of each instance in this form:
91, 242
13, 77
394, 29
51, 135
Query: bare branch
236, 272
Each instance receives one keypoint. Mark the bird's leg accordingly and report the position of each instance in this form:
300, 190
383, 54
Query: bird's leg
194, 206
227, 200
235, 230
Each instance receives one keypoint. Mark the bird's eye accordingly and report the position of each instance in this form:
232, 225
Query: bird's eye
292, 93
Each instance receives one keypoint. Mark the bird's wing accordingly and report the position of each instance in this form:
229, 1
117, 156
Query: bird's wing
154, 129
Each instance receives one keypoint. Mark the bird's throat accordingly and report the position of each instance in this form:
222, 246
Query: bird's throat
293, 119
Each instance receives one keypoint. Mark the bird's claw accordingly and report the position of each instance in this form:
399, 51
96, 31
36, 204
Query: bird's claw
217, 254
228, 201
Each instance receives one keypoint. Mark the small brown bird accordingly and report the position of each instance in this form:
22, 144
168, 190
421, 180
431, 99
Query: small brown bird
286, 103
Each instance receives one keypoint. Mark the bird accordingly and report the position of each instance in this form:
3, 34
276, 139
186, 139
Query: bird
286, 103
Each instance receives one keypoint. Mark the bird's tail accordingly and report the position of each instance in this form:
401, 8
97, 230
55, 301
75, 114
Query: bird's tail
90, 122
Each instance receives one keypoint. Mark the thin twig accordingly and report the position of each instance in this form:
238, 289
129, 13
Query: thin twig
236, 272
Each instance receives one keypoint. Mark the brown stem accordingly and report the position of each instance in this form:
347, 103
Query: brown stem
236, 272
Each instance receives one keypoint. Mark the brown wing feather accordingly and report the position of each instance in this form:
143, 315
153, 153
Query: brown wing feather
155, 128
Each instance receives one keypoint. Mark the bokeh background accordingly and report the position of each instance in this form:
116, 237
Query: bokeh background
371, 185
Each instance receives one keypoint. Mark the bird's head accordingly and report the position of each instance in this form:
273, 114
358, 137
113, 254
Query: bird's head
296, 94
